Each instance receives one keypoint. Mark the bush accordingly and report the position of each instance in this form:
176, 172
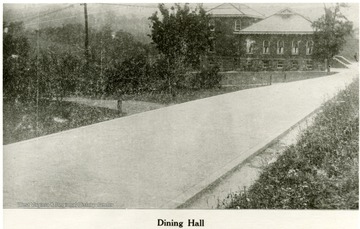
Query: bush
16, 77
167, 77
208, 77
159, 75
130, 76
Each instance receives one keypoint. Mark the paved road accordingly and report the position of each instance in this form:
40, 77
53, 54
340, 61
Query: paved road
160, 158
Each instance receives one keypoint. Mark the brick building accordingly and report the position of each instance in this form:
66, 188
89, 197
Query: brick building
235, 16
226, 20
282, 41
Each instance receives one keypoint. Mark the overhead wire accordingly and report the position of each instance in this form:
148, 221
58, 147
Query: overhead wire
32, 17
57, 19
94, 13
128, 5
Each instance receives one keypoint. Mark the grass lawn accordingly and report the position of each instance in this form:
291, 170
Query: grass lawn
321, 171
234, 81
184, 95
263, 78
25, 121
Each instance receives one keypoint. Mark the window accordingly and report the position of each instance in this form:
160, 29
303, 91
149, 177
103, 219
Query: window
266, 64
237, 25
212, 24
266, 47
280, 47
250, 46
280, 64
309, 64
309, 47
295, 47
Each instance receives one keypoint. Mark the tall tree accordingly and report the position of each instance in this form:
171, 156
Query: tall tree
181, 32
330, 32
181, 35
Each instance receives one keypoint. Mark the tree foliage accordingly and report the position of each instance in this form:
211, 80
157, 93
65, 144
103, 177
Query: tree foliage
114, 56
181, 34
226, 43
131, 76
15, 62
48, 63
330, 32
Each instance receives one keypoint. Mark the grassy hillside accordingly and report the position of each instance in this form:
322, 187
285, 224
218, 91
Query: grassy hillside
118, 16
351, 46
321, 171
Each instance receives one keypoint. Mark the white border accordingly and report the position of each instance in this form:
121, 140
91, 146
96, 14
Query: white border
97, 219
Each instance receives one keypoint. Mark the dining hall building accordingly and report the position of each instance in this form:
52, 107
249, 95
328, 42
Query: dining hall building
248, 41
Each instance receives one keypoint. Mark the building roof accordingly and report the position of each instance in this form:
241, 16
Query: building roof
234, 10
285, 21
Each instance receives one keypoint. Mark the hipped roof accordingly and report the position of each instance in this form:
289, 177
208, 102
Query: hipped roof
234, 10
285, 21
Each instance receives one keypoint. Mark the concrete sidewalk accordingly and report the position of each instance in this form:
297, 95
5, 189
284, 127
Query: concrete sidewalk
160, 158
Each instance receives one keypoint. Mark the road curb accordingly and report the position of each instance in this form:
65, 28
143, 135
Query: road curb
196, 191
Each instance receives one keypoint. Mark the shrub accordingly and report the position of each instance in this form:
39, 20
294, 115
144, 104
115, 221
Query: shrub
169, 77
208, 77
132, 75
16, 77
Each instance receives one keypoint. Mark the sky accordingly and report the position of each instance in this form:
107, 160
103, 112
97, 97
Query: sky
310, 10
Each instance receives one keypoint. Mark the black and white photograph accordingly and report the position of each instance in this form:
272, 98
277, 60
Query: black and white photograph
192, 106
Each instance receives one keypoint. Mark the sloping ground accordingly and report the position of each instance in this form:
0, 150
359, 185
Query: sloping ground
221, 193
160, 158
351, 47
321, 171
24, 121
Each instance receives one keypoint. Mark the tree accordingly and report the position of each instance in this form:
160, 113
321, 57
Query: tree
181, 35
330, 32
227, 43
16, 76
32, 73
116, 57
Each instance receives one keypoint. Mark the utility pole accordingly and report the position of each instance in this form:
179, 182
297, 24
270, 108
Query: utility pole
86, 35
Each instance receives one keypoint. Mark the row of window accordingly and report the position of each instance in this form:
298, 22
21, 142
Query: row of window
237, 25
280, 47
280, 64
